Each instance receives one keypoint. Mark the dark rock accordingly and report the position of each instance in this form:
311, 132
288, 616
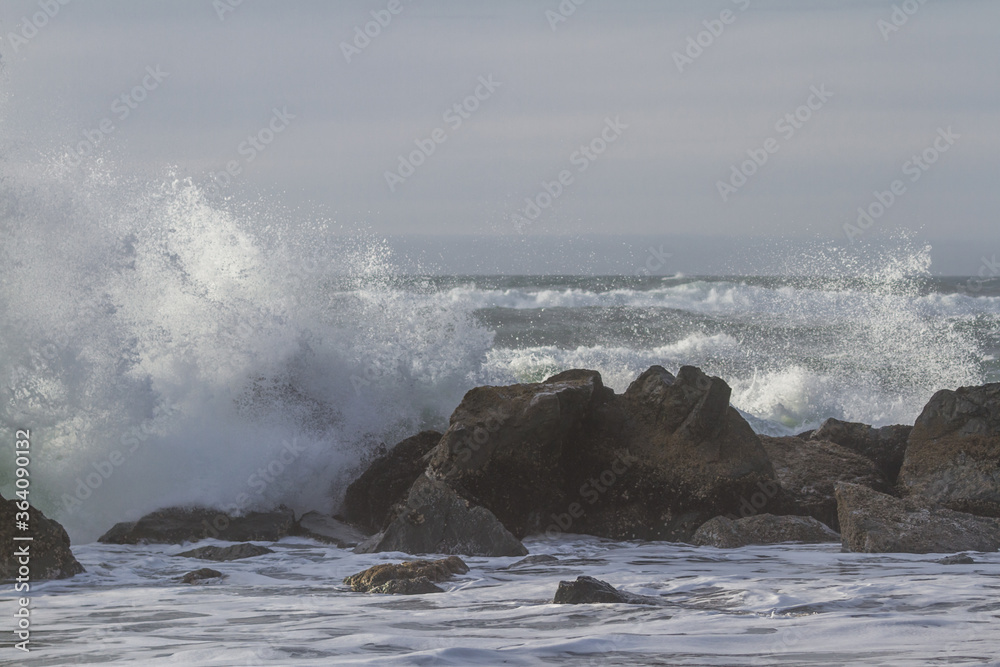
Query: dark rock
204, 573
407, 578
725, 533
957, 559
436, 520
176, 525
884, 446
48, 550
223, 554
568, 455
588, 590
385, 483
874, 522
808, 470
539, 559
953, 454
330, 530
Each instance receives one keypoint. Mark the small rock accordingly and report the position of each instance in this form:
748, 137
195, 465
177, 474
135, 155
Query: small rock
538, 559
957, 559
588, 590
375, 579
200, 575
725, 533
331, 530
222, 554
416, 586
50, 553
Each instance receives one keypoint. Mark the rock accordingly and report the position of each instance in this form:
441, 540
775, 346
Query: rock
204, 573
540, 559
588, 590
176, 525
883, 446
436, 520
328, 529
725, 533
808, 470
369, 498
223, 554
407, 578
957, 559
49, 549
953, 454
874, 522
568, 455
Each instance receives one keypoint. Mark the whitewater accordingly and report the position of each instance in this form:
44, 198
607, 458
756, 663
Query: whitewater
164, 347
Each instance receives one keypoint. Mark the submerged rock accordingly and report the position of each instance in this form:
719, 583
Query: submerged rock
953, 454
176, 525
370, 498
223, 554
48, 552
435, 519
407, 578
588, 590
203, 574
956, 559
808, 470
538, 559
328, 529
884, 446
874, 522
726, 533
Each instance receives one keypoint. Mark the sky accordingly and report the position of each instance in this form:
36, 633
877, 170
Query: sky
728, 121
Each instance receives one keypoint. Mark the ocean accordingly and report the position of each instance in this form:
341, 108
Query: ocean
165, 348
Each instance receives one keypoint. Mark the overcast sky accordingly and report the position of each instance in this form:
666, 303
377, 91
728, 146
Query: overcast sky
666, 119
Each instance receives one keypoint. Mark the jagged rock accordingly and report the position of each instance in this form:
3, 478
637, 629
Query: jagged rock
568, 455
407, 578
176, 525
726, 533
808, 470
588, 590
48, 551
369, 499
953, 454
330, 530
204, 573
436, 520
223, 554
884, 446
874, 522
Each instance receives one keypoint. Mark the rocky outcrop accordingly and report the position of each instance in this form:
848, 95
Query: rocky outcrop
434, 519
568, 455
204, 574
725, 533
808, 471
176, 525
588, 590
328, 529
48, 553
408, 578
874, 522
884, 446
369, 499
223, 554
953, 454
